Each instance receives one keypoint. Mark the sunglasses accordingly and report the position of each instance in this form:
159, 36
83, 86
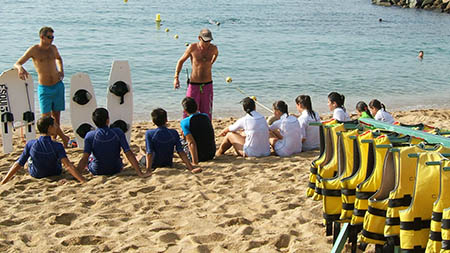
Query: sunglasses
204, 40
50, 37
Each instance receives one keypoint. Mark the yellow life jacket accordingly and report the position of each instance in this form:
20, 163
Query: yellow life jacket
400, 197
329, 169
363, 162
321, 159
434, 242
415, 220
375, 217
332, 203
445, 230
373, 181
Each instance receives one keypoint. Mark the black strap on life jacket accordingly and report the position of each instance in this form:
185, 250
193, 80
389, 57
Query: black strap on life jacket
313, 170
435, 236
119, 88
405, 201
82, 97
364, 195
374, 236
393, 221
83, 129
348, 206
417, 224
436, 216
348, 192
120, 124
376, 211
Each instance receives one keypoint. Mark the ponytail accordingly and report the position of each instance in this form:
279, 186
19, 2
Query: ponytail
377, 104
305, 101
249, 105
337, 98
361, 106
281, 106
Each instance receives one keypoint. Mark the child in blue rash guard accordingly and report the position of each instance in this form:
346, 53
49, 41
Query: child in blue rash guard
105, 144
46, 155
160, 144
198, 132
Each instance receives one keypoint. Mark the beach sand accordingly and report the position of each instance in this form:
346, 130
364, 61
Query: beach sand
235, 205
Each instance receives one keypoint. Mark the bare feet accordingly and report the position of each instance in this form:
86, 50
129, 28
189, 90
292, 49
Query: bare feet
196, 170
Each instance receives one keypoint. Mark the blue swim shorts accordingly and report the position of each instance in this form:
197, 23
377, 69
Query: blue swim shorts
51, 98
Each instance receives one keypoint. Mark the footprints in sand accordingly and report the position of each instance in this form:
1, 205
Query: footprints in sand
63, 219
83, 240
142, 190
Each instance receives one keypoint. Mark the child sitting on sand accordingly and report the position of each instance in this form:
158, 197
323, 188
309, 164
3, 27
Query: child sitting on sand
379, 110
103, 146
46, 155
256, 140
336, 105
285, 133
310, 134
160, 143
363, 110
198, 131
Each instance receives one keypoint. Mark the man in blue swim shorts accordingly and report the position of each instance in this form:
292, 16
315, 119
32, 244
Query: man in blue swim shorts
49, 67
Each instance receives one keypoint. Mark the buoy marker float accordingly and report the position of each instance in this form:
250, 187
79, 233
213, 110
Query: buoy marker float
175, 36
229, 80
158, 16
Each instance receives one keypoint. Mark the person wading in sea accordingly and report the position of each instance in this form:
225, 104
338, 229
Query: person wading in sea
202, 54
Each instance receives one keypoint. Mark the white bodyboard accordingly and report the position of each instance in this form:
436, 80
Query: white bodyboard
82, 105
17, 98
118, 108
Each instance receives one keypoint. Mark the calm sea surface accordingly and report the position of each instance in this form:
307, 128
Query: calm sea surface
274, 50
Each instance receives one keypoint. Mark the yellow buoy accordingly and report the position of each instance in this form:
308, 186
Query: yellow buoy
167, 30
186, 44
229, 80
253, 98
125, 1
158, 16
175, 36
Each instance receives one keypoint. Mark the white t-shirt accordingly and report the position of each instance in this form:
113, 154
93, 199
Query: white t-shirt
340, 114
384, 116
292, 136
256, 134
311, 134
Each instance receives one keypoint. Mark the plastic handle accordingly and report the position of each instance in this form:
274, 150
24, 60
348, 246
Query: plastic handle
367, 141
433, 163
384, 146
413, 155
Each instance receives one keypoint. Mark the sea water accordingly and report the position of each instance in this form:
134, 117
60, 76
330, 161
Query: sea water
273, 50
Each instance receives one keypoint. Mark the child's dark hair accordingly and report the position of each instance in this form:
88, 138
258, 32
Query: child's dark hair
248, 104
44, 123
376, 104
280, 106
189, 105
159, 117
361, 106
100, 116
305, 101
337, 98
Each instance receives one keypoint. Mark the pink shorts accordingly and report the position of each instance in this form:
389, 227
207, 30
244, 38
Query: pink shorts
202, 93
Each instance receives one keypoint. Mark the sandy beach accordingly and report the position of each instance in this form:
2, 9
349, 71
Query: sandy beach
235, 205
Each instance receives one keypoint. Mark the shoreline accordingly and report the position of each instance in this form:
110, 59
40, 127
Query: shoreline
236, 204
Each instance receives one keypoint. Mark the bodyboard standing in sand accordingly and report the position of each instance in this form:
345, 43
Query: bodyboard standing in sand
16, 107
82, 104
120, 97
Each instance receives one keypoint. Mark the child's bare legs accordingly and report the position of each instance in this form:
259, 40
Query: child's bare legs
232, 140
272, 139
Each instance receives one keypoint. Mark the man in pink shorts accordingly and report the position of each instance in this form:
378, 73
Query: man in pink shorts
202, 54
